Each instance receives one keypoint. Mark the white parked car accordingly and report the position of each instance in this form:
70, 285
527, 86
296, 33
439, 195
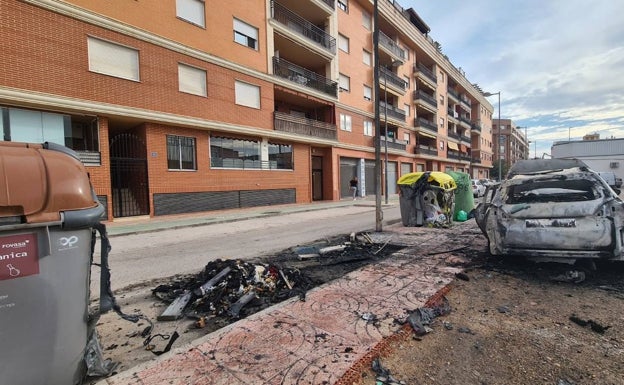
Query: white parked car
478, 188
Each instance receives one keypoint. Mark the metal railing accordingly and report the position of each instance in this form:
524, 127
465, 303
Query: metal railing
287, 70
465, 120
391, 111
302, 27
419, 67
90, 158
475, 126
452, 93
389, 77
251, 164
422, 95
426, 124
331, 3
426, 150
303, 126
390, 45
452, 134
394, 143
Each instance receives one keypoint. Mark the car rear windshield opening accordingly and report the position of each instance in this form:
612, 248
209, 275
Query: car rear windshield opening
551, 191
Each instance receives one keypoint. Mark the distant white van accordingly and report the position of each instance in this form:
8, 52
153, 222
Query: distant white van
612, 180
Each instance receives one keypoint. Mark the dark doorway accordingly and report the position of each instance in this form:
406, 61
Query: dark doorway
317, 178
129, 176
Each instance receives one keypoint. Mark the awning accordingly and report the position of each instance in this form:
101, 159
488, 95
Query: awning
452, 146
426, 135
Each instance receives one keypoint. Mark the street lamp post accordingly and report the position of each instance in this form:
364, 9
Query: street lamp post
500, 163
378, 212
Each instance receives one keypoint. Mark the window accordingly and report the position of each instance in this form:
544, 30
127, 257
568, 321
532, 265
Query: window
247, 94
406, 137
79, 133
280, 156
192, 11
366, 20
234, 153
368, 128
368, 92
343, 43
344, 83
441, 100
441, 122
407, 109
113, 59
344, 5
192, 80
441, 145
407, 81
345, 122
366, 57
441, 77
181, 153
245, 34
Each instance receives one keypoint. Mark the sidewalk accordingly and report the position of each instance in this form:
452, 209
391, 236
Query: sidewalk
328, 338
133, 225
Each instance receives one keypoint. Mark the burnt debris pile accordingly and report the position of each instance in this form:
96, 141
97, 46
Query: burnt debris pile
227, 290
230, 289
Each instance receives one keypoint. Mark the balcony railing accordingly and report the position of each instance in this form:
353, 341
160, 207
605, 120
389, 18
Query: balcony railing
391, 111
287, 70
452, 134
464, 138
426, 124
426, 150
390, 45
452, 93
465, 102
90, 158
422, 95
394, 143
331, 3
475, 161
303, 126
465, 120
425, 71
388, 77
475, 126
302, 27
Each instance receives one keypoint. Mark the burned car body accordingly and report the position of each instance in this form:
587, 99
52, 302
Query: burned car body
552, 209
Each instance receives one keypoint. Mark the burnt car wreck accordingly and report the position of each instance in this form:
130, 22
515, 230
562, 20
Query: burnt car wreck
552, 210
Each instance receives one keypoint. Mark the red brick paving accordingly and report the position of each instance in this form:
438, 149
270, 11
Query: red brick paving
319, 340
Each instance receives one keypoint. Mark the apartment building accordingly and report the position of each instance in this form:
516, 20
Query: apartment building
513, 142
178, 106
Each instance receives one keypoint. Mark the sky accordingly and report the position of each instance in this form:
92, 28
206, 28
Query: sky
558, 64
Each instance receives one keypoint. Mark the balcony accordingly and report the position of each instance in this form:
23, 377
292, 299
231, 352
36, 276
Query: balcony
464, 102
426, 75
452, 94
302, 76
302, 27
390, 111
392, 80
426, 150
393, 143
330, 3
464, 121
303, 126
428, 100
388, 44
475, 126
465, 139
426, 124
453, 134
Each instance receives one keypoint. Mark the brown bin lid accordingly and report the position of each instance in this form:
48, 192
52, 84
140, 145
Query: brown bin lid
39, 184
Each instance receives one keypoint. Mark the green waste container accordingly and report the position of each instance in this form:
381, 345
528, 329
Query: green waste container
47, 209
464, 199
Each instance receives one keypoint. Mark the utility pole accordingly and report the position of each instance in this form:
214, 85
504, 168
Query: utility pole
378, 212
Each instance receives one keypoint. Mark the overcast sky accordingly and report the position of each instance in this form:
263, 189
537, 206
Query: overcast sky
559, 64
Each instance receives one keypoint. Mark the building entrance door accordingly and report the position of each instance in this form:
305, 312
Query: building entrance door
129, 176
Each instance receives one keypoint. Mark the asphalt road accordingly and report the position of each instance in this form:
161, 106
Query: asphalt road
139, 258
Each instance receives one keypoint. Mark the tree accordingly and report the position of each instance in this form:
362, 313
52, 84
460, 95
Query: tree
504, 170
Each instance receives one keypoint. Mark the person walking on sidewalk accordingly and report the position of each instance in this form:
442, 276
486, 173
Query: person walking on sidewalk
354, 186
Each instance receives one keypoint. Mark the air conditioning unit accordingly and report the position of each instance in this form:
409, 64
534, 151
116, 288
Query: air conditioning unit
614, 165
